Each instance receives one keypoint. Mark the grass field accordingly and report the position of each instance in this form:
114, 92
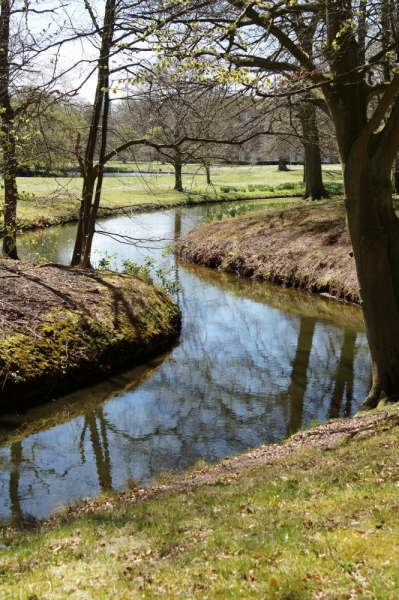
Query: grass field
55, 199
316, 523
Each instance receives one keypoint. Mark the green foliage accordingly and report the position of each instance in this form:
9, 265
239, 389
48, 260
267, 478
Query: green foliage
226, 189
132, 268
259, 187
147, 269
232, 211
335, 187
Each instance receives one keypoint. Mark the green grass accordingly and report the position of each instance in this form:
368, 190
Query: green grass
316, 524
55, 199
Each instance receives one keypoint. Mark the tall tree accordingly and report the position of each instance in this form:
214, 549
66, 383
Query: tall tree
93, 173
353, 76
174, 105
8, 142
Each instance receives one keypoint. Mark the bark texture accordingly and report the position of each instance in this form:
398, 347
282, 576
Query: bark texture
367, 159
93, 173
178, 175
282, 165
8, 137
313, 177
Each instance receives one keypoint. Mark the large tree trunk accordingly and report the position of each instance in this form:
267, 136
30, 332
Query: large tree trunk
367, 156
8, 138
313, 178
370, 243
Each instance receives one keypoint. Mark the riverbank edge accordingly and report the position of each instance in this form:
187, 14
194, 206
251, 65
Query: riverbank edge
41, 222
289, 535
306, 248
90, 324
327, 436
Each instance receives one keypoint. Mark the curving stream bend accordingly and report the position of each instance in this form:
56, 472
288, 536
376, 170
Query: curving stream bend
254, 363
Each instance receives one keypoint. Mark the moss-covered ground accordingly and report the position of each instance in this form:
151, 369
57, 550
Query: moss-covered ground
313, 518
60, 326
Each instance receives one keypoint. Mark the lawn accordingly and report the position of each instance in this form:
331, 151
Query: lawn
299, 521
52, 200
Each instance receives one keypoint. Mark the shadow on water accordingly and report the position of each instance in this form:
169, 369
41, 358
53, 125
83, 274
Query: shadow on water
255, 363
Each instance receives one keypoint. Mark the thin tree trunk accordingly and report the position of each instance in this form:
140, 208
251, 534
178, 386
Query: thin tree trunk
10, 185
94, 173
208, 174
8, 138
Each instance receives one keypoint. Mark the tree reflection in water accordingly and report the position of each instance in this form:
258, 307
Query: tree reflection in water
255, 362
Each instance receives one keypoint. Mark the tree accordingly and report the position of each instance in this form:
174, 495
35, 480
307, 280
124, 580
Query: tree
173, 106
352, 75
29, 71
54, 126
18, 49
93, 173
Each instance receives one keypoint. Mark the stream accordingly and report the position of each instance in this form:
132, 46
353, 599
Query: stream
255, 362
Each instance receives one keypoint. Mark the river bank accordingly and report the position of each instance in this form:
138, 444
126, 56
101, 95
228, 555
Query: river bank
313, 517
46, 201
64, 215
306, 247
62, 326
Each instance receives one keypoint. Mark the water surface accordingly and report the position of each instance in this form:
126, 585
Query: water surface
254, 363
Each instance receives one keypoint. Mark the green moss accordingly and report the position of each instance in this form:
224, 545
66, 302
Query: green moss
71, 345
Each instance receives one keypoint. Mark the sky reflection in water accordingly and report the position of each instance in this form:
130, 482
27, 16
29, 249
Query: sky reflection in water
254, 364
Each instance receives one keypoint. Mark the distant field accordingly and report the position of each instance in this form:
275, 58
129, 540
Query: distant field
54, 199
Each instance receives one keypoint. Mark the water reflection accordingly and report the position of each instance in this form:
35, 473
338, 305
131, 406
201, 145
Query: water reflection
299, 381
254, 363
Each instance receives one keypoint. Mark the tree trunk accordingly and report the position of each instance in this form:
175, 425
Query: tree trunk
178, 175
395, 175
208, 174
313, 178
8, 138
93, 174
367, 155
377, 276
10, 185
282, 164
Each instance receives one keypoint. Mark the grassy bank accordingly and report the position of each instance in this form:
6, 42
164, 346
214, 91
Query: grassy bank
306, 247
46, 201
315, 517
61, 326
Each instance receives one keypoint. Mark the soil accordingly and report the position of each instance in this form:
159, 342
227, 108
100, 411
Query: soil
59, 326
306, 247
